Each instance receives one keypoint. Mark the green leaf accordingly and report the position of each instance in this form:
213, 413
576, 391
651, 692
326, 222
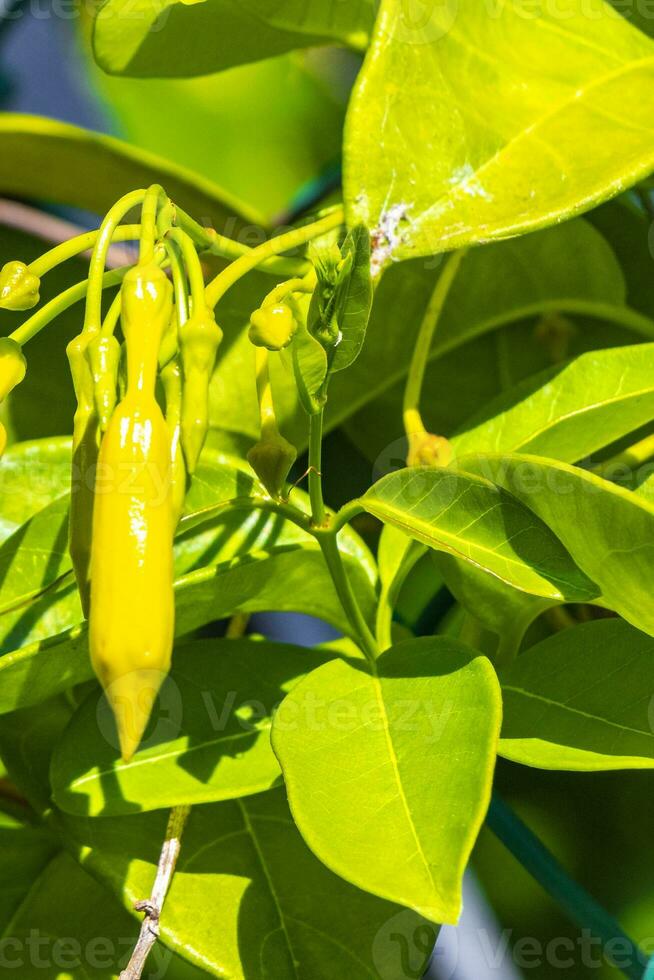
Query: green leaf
24, 852
468, 517
35, 556
581, 700
142, 38
32, 475
290, 579
353, 299
410, 751
290, 95
608, 531
27, 739
68, 926
91, 171
500, 152
560, 270
282, 914
209, 739
568, 412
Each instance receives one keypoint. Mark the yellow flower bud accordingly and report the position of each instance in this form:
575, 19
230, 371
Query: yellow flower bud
426, 449
272, 327
12, 366
19, 288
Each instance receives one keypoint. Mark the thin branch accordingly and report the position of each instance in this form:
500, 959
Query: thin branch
153, 906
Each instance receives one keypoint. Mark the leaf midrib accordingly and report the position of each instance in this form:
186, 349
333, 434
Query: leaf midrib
559, 706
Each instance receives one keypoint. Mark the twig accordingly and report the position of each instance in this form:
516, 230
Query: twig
153, 906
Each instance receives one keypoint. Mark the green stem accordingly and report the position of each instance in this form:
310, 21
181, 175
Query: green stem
315, 469
334, 560
63, 301
112, 317
571, 897
93, 312
209, 240
222, 511
192, 264
180, 281
346, 514
389, 595
422, 349
276, 246
75, 246
153, 196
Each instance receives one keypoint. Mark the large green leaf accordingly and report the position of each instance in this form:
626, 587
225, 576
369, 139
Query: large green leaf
282, 914
571, 411
608, 531
470, 518
504, 148
289, 579
69, 928
91, 171
582, 700
32, 475
24, 852
143, 38
209, 739
402, 755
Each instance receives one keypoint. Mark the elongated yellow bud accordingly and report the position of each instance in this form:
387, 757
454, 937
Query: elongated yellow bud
132, 603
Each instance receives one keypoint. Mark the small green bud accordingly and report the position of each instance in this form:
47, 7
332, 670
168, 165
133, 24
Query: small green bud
271, 459
104, 358
426, 449
272, 327
19, 288
12, 366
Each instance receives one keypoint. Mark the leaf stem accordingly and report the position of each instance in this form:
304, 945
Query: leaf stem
413, 390
315, 469
346, 514
153, 906
334, 560
571, 897
275, 246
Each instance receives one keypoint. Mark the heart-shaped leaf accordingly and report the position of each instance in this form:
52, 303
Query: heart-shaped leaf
402, 755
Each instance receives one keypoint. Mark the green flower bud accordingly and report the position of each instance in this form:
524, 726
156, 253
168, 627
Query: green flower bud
104, 358
272, 327
19, 289
271, 459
